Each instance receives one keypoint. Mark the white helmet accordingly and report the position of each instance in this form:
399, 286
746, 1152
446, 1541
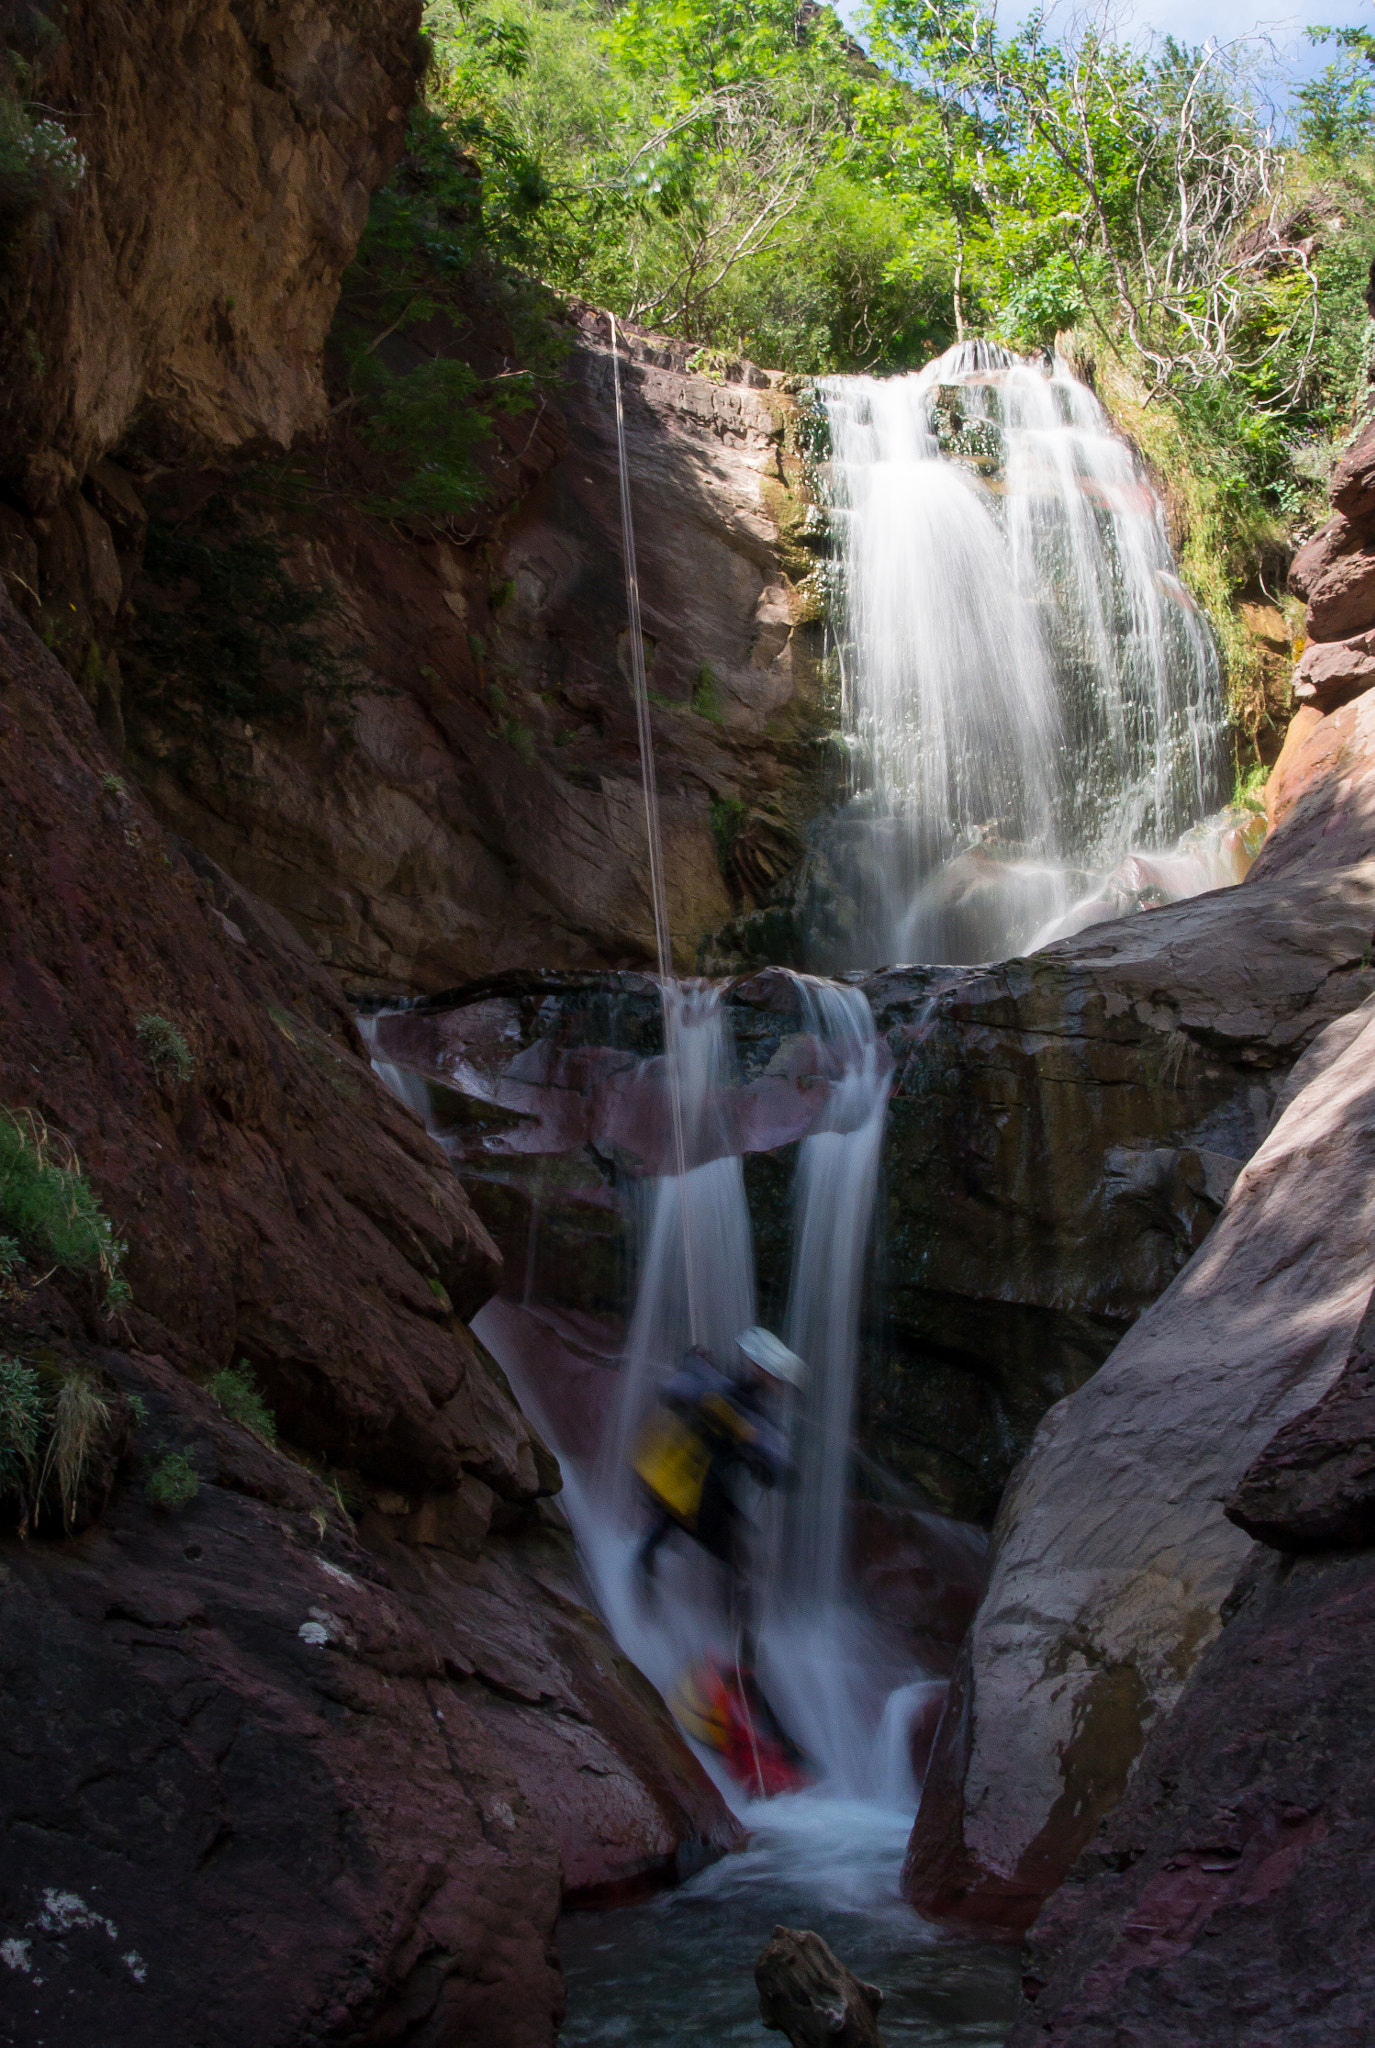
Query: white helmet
771, 1355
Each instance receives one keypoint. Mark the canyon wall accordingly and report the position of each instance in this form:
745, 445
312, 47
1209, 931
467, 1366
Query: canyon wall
309, 1735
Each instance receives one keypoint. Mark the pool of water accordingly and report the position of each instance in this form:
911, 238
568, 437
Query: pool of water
679, 1970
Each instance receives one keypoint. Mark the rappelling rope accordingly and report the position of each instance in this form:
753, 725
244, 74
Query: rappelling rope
657, 892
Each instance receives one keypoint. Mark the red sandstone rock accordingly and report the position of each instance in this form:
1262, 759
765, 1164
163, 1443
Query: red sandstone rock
1313, 1486
1321, 798
1332, 672
1112, 1554
1277, 798
230, 153
485, 812
1352, 489
1342, 599
1313, 557
1227, 1900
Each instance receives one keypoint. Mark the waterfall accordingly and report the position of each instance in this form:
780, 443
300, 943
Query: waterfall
828, 1669
697, 1250
837, 1173
1029, 693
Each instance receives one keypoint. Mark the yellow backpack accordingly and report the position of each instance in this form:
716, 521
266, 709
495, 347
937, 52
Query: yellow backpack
671, 1461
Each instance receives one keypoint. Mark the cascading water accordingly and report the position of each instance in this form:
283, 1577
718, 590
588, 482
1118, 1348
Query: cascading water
1030, 694
828, 1670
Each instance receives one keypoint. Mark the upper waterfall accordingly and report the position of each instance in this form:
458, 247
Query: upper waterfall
1030, 694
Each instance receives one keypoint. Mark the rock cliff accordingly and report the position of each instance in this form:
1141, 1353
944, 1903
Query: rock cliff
483, 810
314, 1745
181, 293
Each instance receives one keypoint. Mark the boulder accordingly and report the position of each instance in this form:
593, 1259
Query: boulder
1322, 793
1224, 1901
1112, 1552
1332, 672
1341, 597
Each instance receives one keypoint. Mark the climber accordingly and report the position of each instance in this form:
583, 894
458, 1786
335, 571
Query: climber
708, 1431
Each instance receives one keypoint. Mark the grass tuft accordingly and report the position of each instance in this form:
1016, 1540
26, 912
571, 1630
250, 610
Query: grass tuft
80, 1417
164, 1048
23, 1413
234, 1392
49, 1209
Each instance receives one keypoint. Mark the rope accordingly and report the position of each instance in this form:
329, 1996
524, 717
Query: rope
658, 894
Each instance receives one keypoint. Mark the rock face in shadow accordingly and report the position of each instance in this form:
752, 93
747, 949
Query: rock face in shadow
1313, 1486
1112, 1553
230, 152
325, 1775
1224, 1902
485, 809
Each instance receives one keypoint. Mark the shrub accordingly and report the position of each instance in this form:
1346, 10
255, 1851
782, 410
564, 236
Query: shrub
23, 1413
173, 1481
40, 166
11, 1258
164, 1048
50, 1209
234, 1392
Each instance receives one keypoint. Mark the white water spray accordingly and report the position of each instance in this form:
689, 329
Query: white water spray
1030, 693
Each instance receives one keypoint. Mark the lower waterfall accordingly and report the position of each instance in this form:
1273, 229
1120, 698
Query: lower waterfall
840, 1684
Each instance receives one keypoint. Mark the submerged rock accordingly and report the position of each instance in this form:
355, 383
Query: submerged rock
807, 1993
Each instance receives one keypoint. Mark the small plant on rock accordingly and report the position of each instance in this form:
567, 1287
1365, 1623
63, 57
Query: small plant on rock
49, 1208
164, 1048
23, 1413
173, 1481
234, 1392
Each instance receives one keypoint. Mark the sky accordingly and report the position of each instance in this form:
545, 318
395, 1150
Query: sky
1195, 20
